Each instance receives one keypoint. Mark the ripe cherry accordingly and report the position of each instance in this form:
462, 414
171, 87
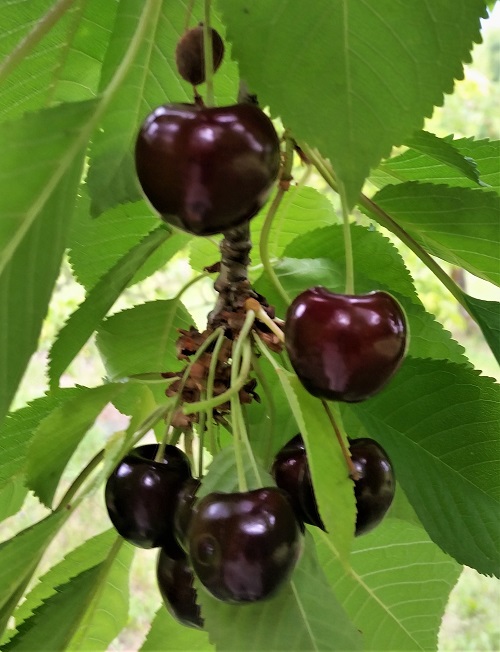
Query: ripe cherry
184, 509
244, 546
345, 347
206, 170
190, 56
291, 472
374, 490
175, 581
141, 496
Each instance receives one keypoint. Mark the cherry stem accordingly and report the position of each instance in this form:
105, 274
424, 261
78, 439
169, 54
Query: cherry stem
161, 448
242, 377
208, 55
349, 259
189, 284
65, 501
285, 178
262, 380
353, 473
201, 439
210, 388
261, 314
189, 12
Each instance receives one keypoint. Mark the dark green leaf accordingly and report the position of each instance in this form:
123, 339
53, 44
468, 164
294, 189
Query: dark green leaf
168, 635
304, 615
152, 80
97, 245
359, 101
439, 423
485, 154
397, 588
457, 224
87, 317
65, 65
86, 613
12, 495
58, 435
143, 338
487, 315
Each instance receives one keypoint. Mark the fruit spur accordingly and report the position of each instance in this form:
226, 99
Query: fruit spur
209, 170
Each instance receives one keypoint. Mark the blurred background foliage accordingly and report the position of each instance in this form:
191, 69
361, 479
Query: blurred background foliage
472, 619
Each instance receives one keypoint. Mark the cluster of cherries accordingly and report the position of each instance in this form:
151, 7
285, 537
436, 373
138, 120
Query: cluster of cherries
242, 546
206, 170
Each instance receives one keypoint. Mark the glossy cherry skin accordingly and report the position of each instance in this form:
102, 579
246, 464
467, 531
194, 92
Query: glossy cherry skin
141, 496
175, 581
244, 546
291, 471
374, 490
345, 347
190, 56
206, 170
184, 510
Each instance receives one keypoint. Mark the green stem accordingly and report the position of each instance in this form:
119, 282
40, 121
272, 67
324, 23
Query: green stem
353, 473
349, 259
266, 228
262, 380
161, 448
40, 29
189, 12
65, 501
210, 389
208, 55
189, 284
201, 440
235, 404
242, 376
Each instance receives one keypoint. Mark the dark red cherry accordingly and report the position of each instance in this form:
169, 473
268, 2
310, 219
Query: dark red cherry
244, 546
175, 581
345, 347
190, 56
141, 496
374, 490
291, 472
206, 170
184, 510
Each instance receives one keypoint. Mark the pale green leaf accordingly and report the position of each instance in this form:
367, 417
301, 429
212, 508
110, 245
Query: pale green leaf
304, 615
65, 64
12, 495
99, 300
19, 557
457, 224
168, 635
379, 68
95, 246
89, 554
487, 315
58, 435
142, 339
397, 587
86, 613
152, 80
439, 424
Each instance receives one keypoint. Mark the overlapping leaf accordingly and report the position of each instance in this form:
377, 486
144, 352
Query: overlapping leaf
397, 587
439, 423
367, 92
87, 317
457, 224
168, 635
141, 339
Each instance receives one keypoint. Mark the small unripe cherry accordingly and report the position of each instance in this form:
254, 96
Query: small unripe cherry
190, 56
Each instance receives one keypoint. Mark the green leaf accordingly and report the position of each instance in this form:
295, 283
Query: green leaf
168, 635
379, 69
12, 495
65, 65
439, 424
87, 317
19, 557
97, 245
440, 150
18, 430
58, 435
152, 80
487, 315
329, 471
89, 554
457, 224
304, 615
86, 613
378, 265
417, 165
397, 588
142, 339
